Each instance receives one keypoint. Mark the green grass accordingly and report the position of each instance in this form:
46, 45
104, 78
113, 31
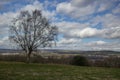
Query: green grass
22, 71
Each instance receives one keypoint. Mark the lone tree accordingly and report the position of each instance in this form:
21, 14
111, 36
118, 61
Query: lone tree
31, 30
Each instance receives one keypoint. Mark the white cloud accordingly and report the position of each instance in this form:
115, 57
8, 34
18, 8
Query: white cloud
78, 8
84, 33
112, 33
65, 7
83, 30
105, 5
72, 9
88, 32
110, 24
78, 30
71, 29
64, 25
4, 42
102, 45
35, 5
5, 21
69, 41
110, 20
96, 43
6, 18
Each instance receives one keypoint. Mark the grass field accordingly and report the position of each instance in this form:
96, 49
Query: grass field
22, 71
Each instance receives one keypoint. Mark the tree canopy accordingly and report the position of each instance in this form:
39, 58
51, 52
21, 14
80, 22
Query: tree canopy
31, 30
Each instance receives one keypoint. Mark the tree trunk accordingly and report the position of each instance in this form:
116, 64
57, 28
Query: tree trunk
28, 57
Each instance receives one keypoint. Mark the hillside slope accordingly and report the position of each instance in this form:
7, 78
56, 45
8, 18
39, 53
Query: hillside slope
22, 71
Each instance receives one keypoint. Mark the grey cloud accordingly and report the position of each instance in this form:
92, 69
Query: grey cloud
68, 8
83, 30
77, 44
82, 3
71, 29
79, 8
101, 45
112, 33
96, 43
116, 10
4, 42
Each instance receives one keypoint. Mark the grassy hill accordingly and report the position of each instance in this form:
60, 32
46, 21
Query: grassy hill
22, 71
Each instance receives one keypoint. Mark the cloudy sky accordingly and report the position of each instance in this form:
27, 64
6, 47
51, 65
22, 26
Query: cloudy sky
83, 24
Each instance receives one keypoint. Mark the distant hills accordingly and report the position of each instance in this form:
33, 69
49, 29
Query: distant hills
104, 52
9, 50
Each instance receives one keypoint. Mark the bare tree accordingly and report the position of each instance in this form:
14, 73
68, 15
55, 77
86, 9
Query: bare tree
31, 30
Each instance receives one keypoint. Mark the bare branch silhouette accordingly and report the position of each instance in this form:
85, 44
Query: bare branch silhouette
31, 30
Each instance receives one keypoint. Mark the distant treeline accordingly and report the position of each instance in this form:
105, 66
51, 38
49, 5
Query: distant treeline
103, 52
111, 61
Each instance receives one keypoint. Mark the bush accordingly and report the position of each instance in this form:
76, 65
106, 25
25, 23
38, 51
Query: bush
17, 58
79, 61
36, 59
112, 61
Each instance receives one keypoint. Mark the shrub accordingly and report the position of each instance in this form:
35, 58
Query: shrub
37, 59
17, 58
79, 61
112, 61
